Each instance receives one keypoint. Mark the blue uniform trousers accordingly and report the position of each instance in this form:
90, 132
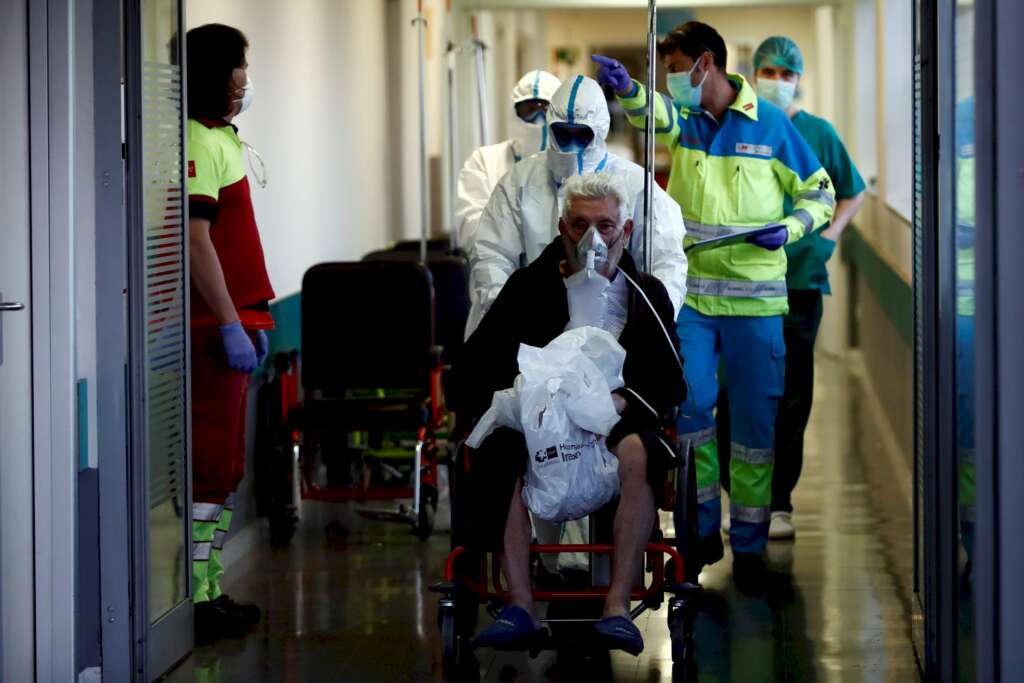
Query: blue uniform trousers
753, 355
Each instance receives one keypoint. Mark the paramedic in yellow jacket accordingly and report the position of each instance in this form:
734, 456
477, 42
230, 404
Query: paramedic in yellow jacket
735, 158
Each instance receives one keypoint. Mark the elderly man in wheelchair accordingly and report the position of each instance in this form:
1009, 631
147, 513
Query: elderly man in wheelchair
584, 277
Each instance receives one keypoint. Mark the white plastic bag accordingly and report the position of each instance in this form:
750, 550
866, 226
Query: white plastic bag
562, 403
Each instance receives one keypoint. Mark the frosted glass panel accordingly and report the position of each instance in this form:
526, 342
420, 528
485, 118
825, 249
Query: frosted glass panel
166, 318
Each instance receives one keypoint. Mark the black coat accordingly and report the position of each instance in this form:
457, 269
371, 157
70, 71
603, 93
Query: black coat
533, 309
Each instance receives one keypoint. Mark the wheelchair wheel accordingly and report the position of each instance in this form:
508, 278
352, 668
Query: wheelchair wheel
681, 629
458, 665
685, 672
424, 525
449, 645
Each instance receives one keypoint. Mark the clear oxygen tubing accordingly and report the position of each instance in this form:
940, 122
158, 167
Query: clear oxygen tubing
481, 84
420, 22
652, 38
668, 337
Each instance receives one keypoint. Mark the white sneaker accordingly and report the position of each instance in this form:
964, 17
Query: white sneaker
781, 526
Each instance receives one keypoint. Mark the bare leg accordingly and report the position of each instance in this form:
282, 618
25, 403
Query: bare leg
634, 521
515, 561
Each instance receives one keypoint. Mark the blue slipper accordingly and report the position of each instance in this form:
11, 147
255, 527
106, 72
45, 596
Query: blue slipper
620, 633
514, 626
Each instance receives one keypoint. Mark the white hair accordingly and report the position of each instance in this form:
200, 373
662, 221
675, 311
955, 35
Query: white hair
597, 186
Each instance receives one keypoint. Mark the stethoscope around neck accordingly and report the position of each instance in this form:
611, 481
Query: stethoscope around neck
256, 165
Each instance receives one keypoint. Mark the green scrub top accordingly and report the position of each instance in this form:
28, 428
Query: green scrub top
807, 257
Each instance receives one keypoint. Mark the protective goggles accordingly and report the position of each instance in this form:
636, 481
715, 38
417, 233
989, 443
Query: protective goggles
570, 135
528, 110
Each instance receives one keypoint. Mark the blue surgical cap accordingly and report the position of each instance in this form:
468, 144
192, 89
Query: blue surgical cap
781, 52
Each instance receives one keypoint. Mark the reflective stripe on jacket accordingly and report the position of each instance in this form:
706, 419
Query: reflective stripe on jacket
733, 176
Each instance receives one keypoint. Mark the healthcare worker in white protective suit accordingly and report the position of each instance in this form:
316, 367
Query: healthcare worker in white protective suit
486, 165
521, 217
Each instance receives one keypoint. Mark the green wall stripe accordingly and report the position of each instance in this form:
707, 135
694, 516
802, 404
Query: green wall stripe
287, 332
82, 387
894, 294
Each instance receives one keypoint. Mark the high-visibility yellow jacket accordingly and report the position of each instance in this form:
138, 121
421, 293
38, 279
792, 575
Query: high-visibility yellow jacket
730, 176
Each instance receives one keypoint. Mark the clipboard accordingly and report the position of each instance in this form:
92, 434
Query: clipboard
726, 240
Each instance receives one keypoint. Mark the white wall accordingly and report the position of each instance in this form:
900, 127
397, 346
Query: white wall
863, 77
319, 121
899, 106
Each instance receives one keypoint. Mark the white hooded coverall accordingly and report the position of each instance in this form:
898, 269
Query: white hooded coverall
521, 217
486, 165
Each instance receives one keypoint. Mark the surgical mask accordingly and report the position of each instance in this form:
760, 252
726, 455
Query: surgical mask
246, 95
576, 160
529, 137
778, 92
684, 93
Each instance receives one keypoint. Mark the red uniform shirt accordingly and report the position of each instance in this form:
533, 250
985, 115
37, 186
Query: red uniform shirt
218, 190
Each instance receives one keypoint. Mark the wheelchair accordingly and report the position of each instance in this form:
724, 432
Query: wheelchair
372, 378
472, 578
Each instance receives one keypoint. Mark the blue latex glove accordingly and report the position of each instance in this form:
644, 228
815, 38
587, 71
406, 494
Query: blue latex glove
613, 74
262, 347
770, 240
238, 348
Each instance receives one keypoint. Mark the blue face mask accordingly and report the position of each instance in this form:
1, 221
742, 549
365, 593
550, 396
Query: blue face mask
684, 93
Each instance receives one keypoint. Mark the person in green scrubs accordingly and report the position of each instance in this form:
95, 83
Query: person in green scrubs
778, 67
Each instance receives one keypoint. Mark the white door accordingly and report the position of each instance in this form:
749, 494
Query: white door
17, 623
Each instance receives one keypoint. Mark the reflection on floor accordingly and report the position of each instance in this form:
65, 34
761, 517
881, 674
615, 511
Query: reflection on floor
356, 608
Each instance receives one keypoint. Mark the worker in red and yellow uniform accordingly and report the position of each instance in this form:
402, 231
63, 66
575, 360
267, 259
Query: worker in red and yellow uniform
230, 312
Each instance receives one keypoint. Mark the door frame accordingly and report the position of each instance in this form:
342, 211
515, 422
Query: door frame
936, 577
52, 233
112, 428
158, 646
999, 361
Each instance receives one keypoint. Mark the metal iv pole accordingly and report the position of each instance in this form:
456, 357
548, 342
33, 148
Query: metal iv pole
421, 23
453, 168
648, 239
481, 84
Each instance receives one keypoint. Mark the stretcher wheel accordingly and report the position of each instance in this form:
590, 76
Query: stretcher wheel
424, 525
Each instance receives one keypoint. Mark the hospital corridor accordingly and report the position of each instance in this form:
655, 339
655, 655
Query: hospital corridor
466, 341
834, 608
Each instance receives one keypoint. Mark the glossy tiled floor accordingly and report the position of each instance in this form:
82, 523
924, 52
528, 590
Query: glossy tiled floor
356, 608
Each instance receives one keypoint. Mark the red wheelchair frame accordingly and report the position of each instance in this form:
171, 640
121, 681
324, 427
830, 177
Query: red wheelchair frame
462, 591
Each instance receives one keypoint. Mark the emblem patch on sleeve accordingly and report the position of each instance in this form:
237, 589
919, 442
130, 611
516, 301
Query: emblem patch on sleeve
191, 169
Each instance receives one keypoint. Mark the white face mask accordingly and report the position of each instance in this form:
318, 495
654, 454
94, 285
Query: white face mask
590, 159
528, 138
246, 95
780, 93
